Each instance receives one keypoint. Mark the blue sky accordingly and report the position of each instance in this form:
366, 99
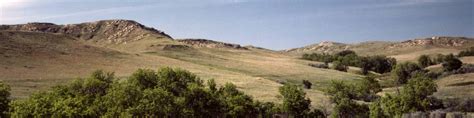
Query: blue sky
273, 24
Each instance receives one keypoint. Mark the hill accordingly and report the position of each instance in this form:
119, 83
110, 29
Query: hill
407, 50
36, 56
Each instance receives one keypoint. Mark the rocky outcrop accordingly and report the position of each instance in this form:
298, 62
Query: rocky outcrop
323, 47
434, 41
114, 31
211, 44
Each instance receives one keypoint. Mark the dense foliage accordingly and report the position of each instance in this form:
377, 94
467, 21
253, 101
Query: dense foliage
337, 65
345, 95
294, 101
379, 64
425, 61
451, 63
4, 101
413, 97
468, 52
404, 71
164, 93
167, 92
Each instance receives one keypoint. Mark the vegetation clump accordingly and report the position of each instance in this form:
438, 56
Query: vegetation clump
337, 65
425, 61
345, 97
413, 97
307, 84
468, 52
378, 63
164, 93
451, 63
404, 71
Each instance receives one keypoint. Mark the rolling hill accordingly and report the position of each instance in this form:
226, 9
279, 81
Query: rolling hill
36, 56
407, 50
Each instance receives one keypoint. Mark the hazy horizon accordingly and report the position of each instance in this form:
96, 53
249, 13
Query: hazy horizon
276, 25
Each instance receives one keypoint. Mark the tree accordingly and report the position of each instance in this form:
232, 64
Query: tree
367, 89
404, 71
236, 103
451, 63
307, 84
337, 65
424, 61
294, 101
439, 59
346, 108
4, 98
365, 65
414, 97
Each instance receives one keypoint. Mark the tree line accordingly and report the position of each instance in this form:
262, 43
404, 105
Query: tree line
343, 59
167, 92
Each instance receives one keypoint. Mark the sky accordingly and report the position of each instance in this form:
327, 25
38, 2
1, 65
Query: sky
273, 24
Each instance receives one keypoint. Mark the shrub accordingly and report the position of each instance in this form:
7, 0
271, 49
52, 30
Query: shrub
379, 64
424, 61
468, 68
460, 104
164, 93
468, 52
367, 89
317, 113
451, 63
439, 59
404, 71
343, 95
347, 108
307, 84
339, 66
413, 97
294, 101
4, 98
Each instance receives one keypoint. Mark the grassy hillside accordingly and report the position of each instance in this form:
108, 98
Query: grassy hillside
33, 61
37, 56
456, 86
403, 51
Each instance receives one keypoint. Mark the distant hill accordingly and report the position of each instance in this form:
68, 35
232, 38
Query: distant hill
405, 50
111, 31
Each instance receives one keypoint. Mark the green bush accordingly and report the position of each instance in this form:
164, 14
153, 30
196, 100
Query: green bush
337, 65
424, 61
367, 89
4, 98
347, 108
294, 100
343, 95
379, 64
404, 71
164, 93
451, 63
413, 97
467, 52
